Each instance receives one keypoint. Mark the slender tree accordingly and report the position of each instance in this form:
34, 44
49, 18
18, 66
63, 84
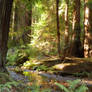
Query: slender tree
66, 23
66, 34
58, 32
28, 22
14, 21
87, 29
5, 12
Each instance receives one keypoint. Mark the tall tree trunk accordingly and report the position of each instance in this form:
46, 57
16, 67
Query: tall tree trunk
13, 19
87, 29
58, 32
65, 53
5, 12
66, 24
66, 35
76, 43
14, 22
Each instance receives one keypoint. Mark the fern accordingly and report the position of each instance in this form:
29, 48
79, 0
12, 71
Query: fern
74, 86
82, 88
7, 86
62, 87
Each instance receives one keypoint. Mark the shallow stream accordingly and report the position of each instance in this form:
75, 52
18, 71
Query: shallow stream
44, 80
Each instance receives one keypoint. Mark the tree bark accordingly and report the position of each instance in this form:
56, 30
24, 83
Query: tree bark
5, 12
58, 32
66, 35
66, 24
76, 43
87, 29
14, 22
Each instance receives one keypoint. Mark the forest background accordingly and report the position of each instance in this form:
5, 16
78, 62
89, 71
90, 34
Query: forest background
35, 31
59, 28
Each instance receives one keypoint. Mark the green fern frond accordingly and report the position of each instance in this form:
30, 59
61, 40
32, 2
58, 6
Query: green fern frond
82, 88
62, 87
73, 84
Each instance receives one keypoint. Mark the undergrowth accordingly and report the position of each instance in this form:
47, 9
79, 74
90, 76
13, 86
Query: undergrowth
6, 83
74, 86
17, 53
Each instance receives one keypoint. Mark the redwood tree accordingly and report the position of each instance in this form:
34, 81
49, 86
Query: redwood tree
88, 29
76, 43
5, 12
58, 32
65, 53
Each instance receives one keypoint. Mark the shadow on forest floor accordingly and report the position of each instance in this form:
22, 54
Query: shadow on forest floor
70, 65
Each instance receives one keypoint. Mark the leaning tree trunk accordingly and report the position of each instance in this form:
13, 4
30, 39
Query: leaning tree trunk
76, 43
5, 12
58, 32
88, 29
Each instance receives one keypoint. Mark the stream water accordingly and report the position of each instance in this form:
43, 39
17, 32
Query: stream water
43, 79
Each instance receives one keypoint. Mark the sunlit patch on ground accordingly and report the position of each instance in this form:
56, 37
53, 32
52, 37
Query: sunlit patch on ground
60, 66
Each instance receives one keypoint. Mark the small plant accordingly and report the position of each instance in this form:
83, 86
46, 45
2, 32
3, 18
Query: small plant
83, 74
35, 88
29, 64
7, 86
6, 83
74, 86
35, 85
43, 68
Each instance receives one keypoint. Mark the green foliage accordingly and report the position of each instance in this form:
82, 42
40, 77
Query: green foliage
74, 86
29, 64
84, 74
7, 86
43, 29
6, 83
81, 74
12, 56
4, 77
18, 54
35, 88
43, 68
32, 65
17, 70
89, 4
31, 51
43, 33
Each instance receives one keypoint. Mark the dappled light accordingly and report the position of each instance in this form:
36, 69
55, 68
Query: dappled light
60, 66
45, 46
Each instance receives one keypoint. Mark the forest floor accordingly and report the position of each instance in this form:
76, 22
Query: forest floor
79, 67
59, 71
